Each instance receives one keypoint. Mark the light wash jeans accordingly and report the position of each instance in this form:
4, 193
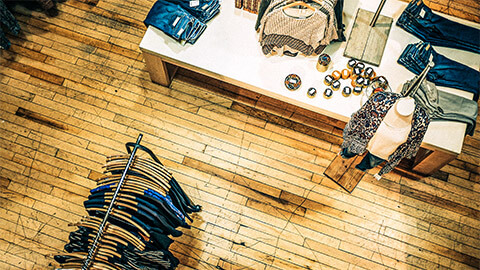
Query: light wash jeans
443, 106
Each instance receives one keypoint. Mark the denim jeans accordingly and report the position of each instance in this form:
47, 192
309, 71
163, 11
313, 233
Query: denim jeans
368, 162
174, 21
445, 71
204, 10
443, 106
419, 20
10, 23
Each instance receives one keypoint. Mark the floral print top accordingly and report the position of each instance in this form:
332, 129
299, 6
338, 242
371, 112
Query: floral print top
365, 122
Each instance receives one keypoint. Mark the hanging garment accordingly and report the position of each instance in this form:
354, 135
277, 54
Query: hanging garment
10, 23
390, 134
419, 20
365, 122
286, 34
443, 106
338, 16
149, 207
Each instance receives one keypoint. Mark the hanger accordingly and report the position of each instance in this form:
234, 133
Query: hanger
318, 2
93, 223
297, 4
177, 190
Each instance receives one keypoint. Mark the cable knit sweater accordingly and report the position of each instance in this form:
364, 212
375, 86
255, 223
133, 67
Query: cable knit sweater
281, 33
365, 122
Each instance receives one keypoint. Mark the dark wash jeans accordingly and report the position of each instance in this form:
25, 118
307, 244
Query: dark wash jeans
368, 162
175, 21
204, 10
445, 71
419, 20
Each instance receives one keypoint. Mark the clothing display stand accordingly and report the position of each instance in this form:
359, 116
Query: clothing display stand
369, 35
135, 207
93, 248
343, 172
419, 80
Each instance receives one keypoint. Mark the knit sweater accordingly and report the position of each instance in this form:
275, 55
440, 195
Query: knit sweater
365, 122
280, 32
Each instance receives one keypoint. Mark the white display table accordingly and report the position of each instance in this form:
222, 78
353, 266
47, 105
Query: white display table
229, 51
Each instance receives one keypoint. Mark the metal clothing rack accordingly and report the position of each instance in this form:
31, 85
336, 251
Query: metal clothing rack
94, 247
415, 85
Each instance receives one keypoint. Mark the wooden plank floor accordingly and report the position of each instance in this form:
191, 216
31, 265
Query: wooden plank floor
74, 90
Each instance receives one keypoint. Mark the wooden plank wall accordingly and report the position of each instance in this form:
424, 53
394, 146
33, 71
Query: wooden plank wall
465, 9
74, 89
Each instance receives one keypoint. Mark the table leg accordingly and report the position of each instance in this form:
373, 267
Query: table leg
160, 71
431, 161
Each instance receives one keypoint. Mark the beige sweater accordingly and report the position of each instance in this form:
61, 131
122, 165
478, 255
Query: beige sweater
307, 35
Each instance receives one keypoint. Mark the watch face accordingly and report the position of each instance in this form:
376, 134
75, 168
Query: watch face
328, 93
293, 82
324, 59
336, 85
346, 91
329, 80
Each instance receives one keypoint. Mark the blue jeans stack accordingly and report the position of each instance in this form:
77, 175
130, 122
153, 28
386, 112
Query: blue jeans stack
184, 20
445, 72
419, 20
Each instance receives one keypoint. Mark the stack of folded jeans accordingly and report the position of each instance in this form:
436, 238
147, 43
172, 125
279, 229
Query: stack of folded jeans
184, 20
443, 106
419, 20
445, 71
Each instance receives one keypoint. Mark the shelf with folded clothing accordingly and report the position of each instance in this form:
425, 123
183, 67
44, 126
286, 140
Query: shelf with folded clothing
229, 56
134, 209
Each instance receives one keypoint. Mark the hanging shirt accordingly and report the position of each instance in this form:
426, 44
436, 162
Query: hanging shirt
281, 33
387, 138
365, 122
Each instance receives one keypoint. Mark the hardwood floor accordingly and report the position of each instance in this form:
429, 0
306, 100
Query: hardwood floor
74, 90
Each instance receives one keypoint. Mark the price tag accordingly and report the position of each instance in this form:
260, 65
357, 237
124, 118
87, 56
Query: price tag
194, 3
422, 13
176, 21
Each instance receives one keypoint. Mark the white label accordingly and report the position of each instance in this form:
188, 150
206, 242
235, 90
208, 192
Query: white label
180, 31
293, 81
422, 13
194, 3
205, 6
176, 21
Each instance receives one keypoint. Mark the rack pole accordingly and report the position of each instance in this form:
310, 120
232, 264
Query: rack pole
377, 13
418, 82
93, 248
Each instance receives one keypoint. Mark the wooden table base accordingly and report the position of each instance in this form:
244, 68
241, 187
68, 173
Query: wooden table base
343, 172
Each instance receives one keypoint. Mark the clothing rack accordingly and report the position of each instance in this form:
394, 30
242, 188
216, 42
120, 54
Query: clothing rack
415, 85
135, 207
93, 248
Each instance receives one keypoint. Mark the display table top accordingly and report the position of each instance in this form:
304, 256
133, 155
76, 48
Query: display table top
229, 51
